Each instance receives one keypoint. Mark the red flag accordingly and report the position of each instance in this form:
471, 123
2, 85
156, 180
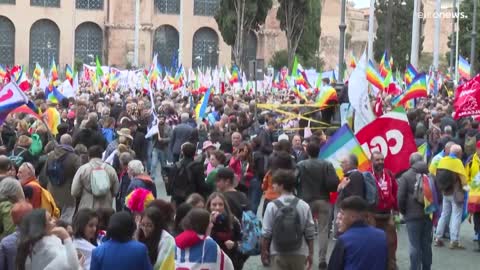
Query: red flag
391, 135
467, 98
379, 106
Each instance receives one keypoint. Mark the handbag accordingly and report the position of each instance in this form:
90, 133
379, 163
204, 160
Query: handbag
458, 193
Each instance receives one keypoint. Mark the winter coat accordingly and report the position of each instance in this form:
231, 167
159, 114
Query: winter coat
142, 181
81, 187
71, 162
408, 206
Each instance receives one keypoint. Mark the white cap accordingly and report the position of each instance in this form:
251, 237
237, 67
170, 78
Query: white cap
283, 137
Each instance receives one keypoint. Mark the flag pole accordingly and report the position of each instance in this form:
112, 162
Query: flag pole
457, 28
371, 33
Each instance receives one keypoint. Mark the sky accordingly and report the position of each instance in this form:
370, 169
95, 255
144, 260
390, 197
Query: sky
361, 3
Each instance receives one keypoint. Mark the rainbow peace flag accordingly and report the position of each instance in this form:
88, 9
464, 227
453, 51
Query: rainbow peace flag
53, 72
417, 89
298, 93
374, 77
202, 105
353, 61
69, 74
235, 77
463, 68
326, 94
384, 65
3, 72
341, 144
410, 74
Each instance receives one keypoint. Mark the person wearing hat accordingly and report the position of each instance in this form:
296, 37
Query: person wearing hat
124, 137
473, 179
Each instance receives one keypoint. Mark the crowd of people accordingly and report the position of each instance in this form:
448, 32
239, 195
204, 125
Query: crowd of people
79, 187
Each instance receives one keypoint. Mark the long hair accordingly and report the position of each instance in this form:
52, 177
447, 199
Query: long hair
80, 221
228, 212
152, 241
32, 229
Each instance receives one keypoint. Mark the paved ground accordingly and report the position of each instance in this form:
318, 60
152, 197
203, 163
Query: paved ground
443, 258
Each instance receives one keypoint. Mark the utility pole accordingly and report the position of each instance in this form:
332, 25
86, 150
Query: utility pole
474, 39
136, 34
371, 33
452, 40
415, 34
341, 51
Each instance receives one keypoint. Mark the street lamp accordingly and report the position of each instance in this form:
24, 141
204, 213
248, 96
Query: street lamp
199, 58
403, 3
49, 45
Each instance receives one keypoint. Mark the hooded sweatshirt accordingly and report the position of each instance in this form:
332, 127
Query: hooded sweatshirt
203, 253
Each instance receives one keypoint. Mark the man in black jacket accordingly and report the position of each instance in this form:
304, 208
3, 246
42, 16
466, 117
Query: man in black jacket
419, 225
317, 178
187, 177
181, 133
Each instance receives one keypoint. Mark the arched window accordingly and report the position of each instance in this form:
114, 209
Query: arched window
166, 44
89, 4
205, 48
205, 7
249, 48
88, 42
167, 6
45, 3
44, 43
7, 42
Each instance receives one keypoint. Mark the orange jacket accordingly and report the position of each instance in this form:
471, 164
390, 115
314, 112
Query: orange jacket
267, 187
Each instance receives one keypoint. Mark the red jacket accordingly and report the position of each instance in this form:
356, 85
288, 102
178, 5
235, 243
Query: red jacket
387, 191
243, 177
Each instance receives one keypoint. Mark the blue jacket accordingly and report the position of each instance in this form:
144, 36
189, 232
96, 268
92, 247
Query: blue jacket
361, 247
120, 256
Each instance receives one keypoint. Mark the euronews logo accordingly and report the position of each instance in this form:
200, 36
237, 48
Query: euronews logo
442, 15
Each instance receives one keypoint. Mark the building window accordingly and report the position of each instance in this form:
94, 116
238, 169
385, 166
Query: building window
205, 7
89, 4
88, 42
7, 2
45, 3
249, 48
166, 44
167, 6
44, 43
7, 42
205, 48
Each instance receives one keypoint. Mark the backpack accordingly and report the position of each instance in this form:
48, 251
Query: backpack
418, 194
371, 190
287, 230
36, 147
48, 203
181, 183
99, 181
251, 234
470, 145
18, 158
55, 171
444, 179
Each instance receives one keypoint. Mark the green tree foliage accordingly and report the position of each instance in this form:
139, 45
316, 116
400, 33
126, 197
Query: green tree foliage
400, 31
465, 33
309, 42
236, 18
294, 16
279, 59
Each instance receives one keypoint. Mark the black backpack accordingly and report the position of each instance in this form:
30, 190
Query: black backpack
287, 228
181, 183
445, 179
55, 170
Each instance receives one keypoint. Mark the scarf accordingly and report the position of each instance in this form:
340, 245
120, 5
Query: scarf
386, 200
